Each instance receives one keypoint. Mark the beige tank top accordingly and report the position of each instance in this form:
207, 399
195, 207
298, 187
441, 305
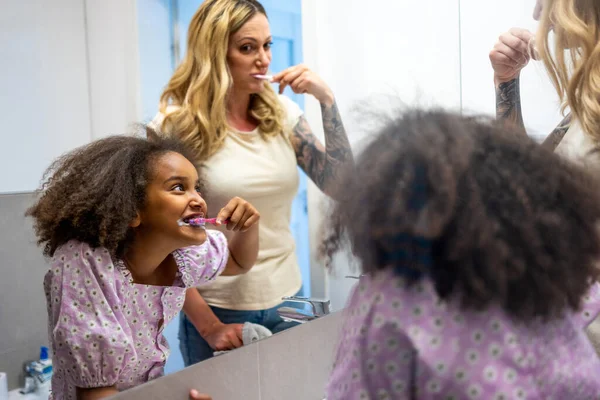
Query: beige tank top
579, 147
265, 173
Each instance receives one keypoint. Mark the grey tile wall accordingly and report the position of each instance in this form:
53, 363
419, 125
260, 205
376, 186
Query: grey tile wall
23, 314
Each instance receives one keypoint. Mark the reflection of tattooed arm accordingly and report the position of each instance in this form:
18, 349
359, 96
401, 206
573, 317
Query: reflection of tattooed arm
508, 104
554, 138
323, 164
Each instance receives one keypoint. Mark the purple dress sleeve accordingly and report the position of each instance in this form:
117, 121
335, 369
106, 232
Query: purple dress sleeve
200, 265
85, 317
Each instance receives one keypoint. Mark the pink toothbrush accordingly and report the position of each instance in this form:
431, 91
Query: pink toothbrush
200, 222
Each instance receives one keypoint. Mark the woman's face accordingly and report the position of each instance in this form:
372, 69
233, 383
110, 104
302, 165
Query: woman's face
249, 54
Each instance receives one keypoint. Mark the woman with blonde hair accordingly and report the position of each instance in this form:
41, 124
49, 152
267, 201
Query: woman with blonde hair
250, 141
572, 59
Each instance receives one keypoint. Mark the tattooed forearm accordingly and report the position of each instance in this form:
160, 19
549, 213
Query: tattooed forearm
554, 138
323, 164
508, 103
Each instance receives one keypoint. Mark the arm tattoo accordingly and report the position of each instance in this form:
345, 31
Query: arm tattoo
554, 138
508, 104
323, 164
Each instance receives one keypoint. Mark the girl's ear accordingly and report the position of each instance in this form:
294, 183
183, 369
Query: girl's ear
136, 221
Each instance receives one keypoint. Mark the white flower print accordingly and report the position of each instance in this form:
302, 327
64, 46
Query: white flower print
438, 323
458, 319
510, 375
495, 350
519, 393
371, 366
378, 299
417, 311
435, 342
490, 373
399, 386
382, 394
406, 357
472, 356
441, 368
374, 348
460, 375
415, 332
364, 308
395, 323
475, 391
391, 343
434, 386
519, 358
378, 320
391, 368
510, 339
477, 336
496, 325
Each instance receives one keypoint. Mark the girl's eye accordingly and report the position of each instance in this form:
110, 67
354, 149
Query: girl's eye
198, 190
178, 187
246, 48
268, 45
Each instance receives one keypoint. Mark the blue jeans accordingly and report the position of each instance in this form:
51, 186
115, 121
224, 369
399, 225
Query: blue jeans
195, 349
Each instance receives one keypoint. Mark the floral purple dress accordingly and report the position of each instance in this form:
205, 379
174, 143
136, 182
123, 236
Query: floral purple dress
106, 330
402, 342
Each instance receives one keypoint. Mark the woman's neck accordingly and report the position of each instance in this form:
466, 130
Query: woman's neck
238, 116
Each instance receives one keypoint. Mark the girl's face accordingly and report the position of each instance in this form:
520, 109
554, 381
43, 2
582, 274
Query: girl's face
172, 194
249, 54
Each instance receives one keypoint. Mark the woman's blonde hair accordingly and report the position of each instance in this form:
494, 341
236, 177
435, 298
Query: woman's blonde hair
576, 26
201, 83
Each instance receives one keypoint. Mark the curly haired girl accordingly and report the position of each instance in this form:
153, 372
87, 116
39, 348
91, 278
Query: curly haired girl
110, 217
480, 253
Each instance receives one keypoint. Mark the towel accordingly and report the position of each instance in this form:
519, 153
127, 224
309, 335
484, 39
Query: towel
250, 333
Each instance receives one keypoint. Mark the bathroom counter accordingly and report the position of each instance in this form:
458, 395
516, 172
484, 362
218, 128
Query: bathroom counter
292, 365
16, 395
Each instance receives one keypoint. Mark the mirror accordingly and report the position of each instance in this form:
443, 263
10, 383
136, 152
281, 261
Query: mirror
96, 81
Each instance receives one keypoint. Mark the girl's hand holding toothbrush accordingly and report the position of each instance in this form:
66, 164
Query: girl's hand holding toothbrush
238, 215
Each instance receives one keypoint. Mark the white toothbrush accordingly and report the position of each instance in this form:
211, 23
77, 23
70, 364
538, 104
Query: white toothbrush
264, 77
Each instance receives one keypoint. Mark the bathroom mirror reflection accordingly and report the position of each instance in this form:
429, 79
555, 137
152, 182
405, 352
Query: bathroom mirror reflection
119, 63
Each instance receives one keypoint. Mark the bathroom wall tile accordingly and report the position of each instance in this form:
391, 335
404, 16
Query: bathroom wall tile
23, 316
13, 363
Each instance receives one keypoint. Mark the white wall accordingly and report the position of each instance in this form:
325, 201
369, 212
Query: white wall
482, 23
364, 50
428, 53
43, 73
112, 45
68, 75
